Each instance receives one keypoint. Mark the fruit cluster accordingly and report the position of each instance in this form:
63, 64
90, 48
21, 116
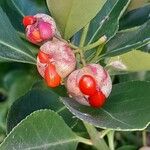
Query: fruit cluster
90, 85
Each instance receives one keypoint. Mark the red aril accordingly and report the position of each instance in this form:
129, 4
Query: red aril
43, 57
97, 100
52, 78
28, 20
87, 85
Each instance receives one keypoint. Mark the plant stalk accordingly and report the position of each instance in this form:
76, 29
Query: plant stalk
70, 44
73, 46
99, 143
104, 133
102, 40
110, 136
97, 54
85, 141
82, 41
144, 138
84, 34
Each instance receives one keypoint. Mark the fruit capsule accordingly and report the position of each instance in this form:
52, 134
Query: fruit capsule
90, 85
39, 28
60, 54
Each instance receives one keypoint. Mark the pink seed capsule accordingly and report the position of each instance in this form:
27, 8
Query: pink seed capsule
45, 30
59, 54
42, 29
103, 85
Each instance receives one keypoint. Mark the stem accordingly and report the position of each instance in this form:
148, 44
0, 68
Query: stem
110, 136
82, 41
82, 57
78, 58
73, 46
104, 132
70, 44
76, 51
144, 138
85, 141
95, 44
84, 34
98, 52
100, 144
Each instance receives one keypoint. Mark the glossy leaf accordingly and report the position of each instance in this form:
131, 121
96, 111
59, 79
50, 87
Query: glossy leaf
128, 40
130, 61
17, 89
37, 99
13, 75
126, 109
28, 7
135, 17
20, 8
3, 113
127, 147
41, 130
60, 90
105, 23
11, 70
145, 48
67, 13
134, 76
12, 48
107, 20
5, 67
137, 3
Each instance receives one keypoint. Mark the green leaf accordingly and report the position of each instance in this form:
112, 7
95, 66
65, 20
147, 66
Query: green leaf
34, 100
3, 113
107, 20
3, 95
105, 23
20, 8
126, 109
11, 46
130, 61
135, 17
137, 3
17, 89
145, 48
60, 90
28, 7
128, 40
142, 76
127, 147
5, 67
19, 71
41, 130
72, 15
